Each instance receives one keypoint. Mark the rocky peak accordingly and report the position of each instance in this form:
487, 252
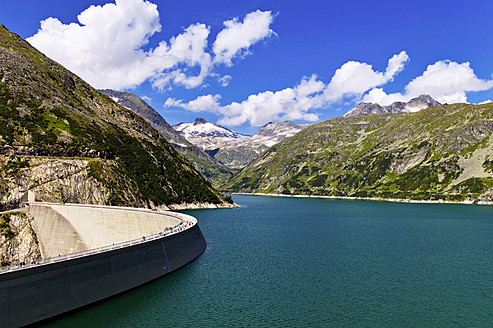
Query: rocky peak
199, 121
286, 128
206, 134
232, 149
365, 108
422, 102
413, 105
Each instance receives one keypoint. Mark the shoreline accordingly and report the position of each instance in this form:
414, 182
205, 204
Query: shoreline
199, 206
170, 207
375, 199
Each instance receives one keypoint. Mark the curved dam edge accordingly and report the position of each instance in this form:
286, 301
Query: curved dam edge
42, 292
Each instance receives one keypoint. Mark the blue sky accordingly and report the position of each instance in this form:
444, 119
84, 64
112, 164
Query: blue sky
244, 63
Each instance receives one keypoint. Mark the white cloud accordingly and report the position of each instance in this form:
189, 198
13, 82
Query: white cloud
287, 104
355, 78
378, 96
446, 81
225, 80
485, 102
105, 47
207, 103
300, 102
396, 65
237, 37
188, 48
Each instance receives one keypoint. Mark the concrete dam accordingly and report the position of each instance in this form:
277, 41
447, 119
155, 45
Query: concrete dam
93, 252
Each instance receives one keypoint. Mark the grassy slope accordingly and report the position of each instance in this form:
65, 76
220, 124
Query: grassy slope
47, 110
440, 153
205, 164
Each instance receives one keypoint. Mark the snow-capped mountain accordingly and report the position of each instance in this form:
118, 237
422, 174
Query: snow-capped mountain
206, 135
237, 154
272, 133
413, 105
232, 149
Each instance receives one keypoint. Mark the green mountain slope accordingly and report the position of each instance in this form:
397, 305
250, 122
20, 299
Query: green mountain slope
68, 142
205, 164
141, 108
439, 153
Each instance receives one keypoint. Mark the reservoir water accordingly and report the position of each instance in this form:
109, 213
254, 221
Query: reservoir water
291, 262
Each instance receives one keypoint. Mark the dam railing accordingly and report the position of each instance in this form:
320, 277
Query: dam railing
183, 225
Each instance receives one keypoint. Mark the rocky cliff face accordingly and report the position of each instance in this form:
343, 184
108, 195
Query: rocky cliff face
80, 140
441, 153
18, 242
66, 180
413, 105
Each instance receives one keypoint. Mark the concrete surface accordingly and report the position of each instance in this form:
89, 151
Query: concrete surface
69, 228
36, 293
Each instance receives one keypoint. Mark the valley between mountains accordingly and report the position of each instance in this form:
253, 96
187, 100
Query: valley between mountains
419, 150
72, 143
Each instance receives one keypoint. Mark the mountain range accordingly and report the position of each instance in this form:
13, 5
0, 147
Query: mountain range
232, 149
203, 162
216, 151
440, 153
413, 105
70, 143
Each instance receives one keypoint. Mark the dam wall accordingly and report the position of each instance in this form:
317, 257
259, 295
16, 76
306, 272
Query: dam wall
68, 228
40, 292
55, 233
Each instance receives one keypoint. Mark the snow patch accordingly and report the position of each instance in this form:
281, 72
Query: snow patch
414, 109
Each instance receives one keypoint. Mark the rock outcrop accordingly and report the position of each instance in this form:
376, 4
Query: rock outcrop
413, 105
65, 180
18, 242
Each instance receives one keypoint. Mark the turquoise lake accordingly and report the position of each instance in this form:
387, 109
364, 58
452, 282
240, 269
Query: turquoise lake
292, 262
